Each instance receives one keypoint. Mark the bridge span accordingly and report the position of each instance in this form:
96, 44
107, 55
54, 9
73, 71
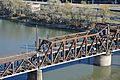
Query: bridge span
100, 41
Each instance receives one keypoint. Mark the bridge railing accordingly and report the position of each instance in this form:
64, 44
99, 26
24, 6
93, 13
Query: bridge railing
16, 64
77, 45
102, 39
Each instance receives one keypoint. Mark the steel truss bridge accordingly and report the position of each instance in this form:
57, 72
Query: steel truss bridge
103, 39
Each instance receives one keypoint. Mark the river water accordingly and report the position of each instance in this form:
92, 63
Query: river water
16, 38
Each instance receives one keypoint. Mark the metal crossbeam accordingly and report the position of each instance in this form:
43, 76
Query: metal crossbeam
61, 49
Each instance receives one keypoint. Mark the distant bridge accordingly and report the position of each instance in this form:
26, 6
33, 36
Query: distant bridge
101, 40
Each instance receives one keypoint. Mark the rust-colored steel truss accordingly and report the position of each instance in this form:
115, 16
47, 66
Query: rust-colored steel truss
103, 38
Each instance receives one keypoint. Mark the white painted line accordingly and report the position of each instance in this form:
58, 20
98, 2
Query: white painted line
115, 50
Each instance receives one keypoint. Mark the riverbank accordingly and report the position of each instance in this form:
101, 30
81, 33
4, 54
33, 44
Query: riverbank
29, 22
33, 23
52, 15
61, 16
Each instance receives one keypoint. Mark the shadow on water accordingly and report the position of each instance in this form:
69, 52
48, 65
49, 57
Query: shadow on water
85, 70
88, 61
117, 65
80, 70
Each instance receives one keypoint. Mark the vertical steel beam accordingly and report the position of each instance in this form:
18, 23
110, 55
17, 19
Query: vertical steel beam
64, 52
52, 56
92, 1
36, 38
108, 36
86, 47
75, 47
115, 1
97, 46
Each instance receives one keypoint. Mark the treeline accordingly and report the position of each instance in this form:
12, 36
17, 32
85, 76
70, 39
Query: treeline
53, 13
13, 8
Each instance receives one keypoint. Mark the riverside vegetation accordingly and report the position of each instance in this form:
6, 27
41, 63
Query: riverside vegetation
54, 12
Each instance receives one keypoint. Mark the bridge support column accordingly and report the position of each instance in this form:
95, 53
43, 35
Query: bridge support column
103, 60
35, 75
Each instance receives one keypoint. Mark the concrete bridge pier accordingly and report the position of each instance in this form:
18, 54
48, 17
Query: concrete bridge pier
103, 60
35, 75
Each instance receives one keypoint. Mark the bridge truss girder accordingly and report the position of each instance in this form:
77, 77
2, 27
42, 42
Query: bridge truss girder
64, 48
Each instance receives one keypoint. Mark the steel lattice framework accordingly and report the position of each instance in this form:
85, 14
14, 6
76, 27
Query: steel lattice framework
100, 40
